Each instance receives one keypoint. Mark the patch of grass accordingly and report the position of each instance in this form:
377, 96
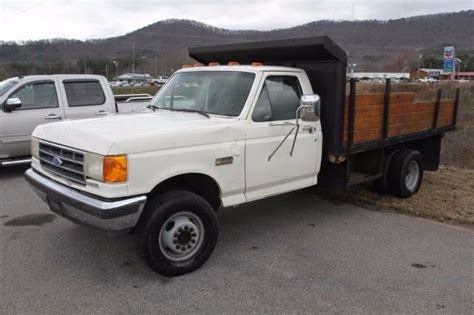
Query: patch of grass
445, 195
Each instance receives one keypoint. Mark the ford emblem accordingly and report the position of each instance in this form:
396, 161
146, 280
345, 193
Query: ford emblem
57, 161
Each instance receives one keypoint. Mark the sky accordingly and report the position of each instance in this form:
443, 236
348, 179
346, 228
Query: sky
86, 19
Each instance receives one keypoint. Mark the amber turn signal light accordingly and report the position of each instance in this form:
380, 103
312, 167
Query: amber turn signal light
115, 169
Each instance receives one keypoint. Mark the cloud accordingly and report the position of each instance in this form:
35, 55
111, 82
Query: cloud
86, 19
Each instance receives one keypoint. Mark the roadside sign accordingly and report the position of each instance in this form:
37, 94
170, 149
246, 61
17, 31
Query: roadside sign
448, 59
448, 65
448, 52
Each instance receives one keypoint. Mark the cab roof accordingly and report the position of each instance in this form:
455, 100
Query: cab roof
244, 68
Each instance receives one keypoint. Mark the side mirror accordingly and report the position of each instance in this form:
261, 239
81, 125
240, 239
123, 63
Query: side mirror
11, 104
310, 105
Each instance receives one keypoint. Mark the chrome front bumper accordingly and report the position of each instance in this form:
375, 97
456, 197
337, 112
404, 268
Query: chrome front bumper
112, 216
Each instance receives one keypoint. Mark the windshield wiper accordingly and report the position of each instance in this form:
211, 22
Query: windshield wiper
188, 111
153, 107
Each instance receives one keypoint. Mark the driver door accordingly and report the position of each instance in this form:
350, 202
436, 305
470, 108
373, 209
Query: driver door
270, 171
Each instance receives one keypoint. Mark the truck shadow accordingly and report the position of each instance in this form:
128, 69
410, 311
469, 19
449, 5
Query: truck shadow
13, 171
242, 231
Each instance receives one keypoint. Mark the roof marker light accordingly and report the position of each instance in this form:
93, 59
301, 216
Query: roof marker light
233, 63
186, 66
213, 64
257, 64
198, 64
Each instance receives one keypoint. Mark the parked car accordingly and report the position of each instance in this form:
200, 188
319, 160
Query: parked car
222, 136
427, 80
115, 84
33, 100
159, 80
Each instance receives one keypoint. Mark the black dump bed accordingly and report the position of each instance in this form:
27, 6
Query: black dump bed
324, 62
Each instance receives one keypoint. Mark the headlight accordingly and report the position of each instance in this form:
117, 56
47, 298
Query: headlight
115, 169
109, 169
35, 147
93, 166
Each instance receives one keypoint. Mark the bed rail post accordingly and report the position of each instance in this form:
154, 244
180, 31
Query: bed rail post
456, 107
386, 108
352, 98
436, 109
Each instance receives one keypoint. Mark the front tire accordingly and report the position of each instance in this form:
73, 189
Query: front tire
405, 173
178, 233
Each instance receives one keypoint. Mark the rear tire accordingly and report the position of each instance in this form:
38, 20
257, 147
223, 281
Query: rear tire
177, 233
405, 173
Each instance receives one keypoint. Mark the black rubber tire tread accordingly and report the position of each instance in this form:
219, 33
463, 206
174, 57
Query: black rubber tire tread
381, 184
397, 171
156, 212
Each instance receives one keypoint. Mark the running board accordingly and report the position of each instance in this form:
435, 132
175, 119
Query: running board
15, 162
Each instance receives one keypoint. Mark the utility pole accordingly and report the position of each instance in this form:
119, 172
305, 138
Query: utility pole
133, 56
116, 64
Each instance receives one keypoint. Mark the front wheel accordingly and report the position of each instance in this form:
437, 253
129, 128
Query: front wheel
405, 173
178, 233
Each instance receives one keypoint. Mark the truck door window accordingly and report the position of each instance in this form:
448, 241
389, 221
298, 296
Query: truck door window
278, 100
37, 95
84, 93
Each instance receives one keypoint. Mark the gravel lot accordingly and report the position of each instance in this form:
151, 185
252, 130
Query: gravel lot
295, 252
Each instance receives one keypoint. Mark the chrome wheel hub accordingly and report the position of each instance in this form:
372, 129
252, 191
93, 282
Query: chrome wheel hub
413, 173
181, 236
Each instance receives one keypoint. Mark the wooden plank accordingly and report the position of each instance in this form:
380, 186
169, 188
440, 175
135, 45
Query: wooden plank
375, 122
405, 129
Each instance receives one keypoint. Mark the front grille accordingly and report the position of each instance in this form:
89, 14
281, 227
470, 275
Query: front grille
64, 162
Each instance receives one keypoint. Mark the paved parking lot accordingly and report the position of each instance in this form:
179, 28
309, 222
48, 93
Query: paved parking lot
289, 253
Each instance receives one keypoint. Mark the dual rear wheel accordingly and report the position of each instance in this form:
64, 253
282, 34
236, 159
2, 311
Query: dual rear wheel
403, 174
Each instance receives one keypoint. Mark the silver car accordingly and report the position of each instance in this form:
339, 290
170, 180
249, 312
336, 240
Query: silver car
33, 100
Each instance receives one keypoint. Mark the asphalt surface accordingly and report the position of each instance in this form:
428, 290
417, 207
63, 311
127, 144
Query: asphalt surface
291, 253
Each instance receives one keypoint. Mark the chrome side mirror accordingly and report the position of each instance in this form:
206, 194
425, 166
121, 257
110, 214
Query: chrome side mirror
11, 104
310, 105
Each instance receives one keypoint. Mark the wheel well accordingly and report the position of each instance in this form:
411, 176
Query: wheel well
200, 184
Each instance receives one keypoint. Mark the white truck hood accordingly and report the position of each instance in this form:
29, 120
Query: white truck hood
139, 132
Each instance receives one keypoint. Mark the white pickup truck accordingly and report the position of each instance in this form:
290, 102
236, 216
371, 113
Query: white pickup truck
216, 136
29, 101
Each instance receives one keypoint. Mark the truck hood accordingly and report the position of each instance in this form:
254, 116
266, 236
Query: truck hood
139, 132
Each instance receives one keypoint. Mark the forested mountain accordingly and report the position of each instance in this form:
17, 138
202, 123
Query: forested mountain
392, 45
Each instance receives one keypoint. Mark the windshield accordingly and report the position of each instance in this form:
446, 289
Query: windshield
6, 85
213, 92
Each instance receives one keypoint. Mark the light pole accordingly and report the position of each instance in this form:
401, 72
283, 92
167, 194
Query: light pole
458, 62
143, 58
116, 64
352, 67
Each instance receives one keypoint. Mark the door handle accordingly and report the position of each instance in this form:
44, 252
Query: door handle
52, 116
310, 129
102, 113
